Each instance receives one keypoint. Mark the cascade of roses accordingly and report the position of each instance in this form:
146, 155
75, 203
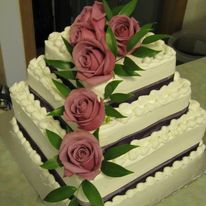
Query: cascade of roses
80, 152
94, 61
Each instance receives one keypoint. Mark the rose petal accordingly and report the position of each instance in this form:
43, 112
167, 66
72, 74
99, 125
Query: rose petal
67, 173
90, 175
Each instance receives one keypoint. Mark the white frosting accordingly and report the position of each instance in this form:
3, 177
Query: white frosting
196, 117
40, 79
177, 137
33, 117
55, 48
147, 110
141, 113
155, 68
30, 162
180, 135
145, 193
170, 179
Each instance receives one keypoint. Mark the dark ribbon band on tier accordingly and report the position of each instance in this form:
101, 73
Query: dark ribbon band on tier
147, 89
48, 107
137, 93
122, 190
40, 153
147, 131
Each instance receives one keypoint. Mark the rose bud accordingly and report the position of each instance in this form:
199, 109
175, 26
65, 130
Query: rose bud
123, 28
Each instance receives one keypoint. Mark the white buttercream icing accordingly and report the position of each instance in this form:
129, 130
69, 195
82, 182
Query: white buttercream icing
155, 68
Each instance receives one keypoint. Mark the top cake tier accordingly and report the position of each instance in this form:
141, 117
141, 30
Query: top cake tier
157, 71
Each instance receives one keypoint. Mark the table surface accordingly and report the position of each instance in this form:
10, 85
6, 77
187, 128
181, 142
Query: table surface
15, 190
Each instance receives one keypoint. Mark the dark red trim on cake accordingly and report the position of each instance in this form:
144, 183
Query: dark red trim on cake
40, 152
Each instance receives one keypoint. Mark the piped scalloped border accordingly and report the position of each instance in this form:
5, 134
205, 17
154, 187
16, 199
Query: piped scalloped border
38, 70
21, 94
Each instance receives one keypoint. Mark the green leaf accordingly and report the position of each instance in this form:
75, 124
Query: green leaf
68, 45
119, 97
145, 52
64, 90
114, 170
117, 9
57, 112
60, 194
107, 10
129, 8
107, 120
110, 87
92, 193
67, 74
117, 151
79, 84
130, 65
73, 202
96, 133
111, 112
68, 129
59, 64
111, 41
121, 71
52, 164
54, 139
156, 37
138, 36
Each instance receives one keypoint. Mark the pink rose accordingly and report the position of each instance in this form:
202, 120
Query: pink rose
124, 28
89, 24
94, 61
83, 107
81, 154
79, 32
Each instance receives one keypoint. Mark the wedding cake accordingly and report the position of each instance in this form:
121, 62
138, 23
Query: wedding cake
104, 118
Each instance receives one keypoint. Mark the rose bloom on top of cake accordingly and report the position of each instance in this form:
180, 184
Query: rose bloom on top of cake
99, 37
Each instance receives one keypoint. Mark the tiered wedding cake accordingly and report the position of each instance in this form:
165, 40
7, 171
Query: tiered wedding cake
106, 113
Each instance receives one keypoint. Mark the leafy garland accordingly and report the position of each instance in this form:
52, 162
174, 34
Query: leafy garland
67, 71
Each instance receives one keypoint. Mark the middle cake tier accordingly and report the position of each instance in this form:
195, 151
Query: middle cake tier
145, 115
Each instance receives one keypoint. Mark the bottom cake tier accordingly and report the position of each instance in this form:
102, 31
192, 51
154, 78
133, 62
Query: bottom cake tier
150, 189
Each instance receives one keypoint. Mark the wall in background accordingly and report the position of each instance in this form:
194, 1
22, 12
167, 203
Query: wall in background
195, 15
2, 75
11, 38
